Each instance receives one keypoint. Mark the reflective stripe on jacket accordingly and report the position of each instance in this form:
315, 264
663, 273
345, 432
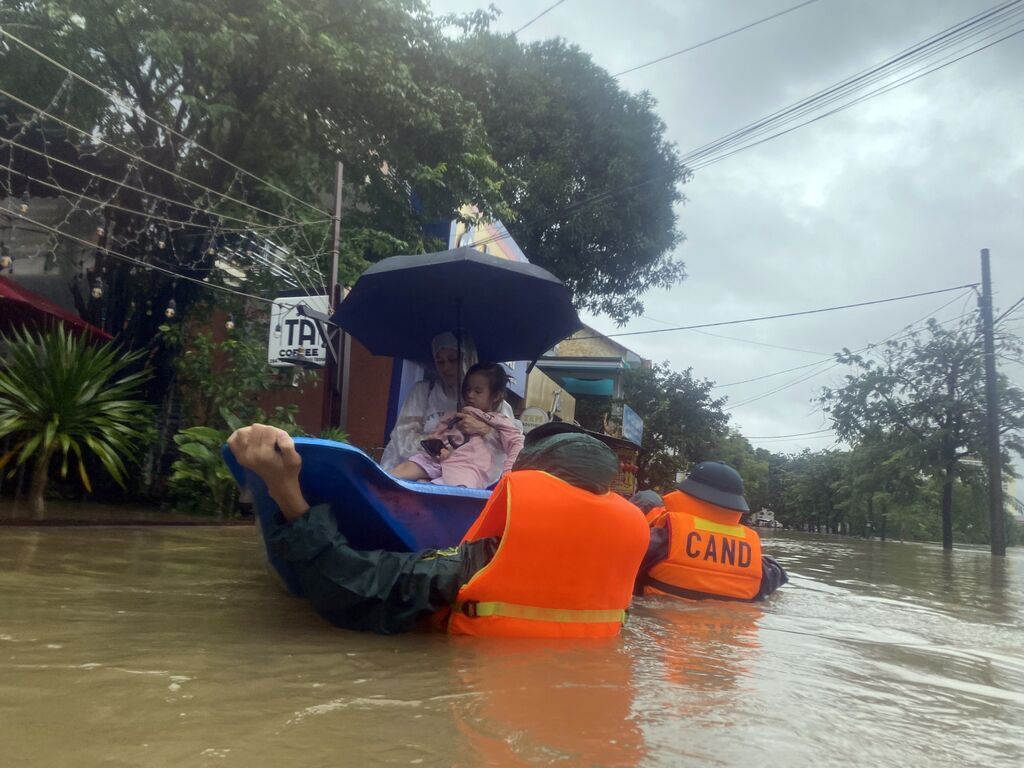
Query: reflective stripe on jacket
565, 566
710, 554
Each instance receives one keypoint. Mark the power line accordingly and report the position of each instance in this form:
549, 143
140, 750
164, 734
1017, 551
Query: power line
146, 264
837, 363
117, 99
713, 39
769, 393
703, 156
862, 349
773, 374
783, 315
543, 13
759, 343
801, 439
782, 437
157, 217
878, 92
183, 224
908, 56
744, 341
121, 184
91, 136
1012, 308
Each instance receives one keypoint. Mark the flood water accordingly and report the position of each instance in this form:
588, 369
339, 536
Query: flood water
173, 647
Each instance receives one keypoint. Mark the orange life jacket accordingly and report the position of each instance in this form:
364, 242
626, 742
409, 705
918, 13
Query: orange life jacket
565, 565
710, 554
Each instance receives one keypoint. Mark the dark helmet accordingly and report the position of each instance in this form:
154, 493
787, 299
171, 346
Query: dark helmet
541, 431
647, 500
716, 483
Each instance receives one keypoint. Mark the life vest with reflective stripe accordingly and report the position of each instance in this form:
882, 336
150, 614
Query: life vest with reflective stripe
710, 554
565, 565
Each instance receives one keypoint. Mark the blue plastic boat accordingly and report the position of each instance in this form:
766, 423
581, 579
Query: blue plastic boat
373, 510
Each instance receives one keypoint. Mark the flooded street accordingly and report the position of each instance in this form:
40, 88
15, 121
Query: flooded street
173, 647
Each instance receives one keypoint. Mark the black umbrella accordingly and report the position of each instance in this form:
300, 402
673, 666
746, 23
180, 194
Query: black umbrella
513, 310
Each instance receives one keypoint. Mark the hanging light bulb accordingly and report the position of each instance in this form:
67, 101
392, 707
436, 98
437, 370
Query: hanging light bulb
23, 205
172, 309
277, 331
162, 242
211, 251
5, 258
101, 231
230, 324
97, 288
149, 309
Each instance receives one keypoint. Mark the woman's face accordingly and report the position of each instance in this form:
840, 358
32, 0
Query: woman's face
447, 362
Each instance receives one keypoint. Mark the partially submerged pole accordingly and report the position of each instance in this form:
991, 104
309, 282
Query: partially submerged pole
334, 369
997, 514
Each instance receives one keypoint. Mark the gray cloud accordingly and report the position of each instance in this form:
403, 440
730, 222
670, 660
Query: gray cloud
892, 196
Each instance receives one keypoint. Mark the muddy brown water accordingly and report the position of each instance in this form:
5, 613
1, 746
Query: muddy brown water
151, 646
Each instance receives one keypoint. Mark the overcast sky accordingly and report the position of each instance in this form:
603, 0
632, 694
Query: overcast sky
894, 196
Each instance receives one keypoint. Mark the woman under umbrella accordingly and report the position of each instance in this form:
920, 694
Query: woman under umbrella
431, 398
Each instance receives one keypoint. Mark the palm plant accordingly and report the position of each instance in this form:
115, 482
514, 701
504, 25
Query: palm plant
61, 396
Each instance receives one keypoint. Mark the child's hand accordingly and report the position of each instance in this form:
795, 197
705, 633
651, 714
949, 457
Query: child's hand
473, 425
445, 453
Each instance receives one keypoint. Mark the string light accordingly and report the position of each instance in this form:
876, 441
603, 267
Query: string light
230, 324
97, 288
5, 257
172, 309
23, 205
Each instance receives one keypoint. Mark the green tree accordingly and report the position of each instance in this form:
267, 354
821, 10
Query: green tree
226, 372
882, 485
282, 90
926, 392
564, 132
59, 395
683, 423
814, 491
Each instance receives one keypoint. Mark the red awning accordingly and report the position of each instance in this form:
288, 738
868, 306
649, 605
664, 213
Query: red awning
19, 306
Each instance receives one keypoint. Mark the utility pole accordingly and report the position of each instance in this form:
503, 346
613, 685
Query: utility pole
334, 407
996, 510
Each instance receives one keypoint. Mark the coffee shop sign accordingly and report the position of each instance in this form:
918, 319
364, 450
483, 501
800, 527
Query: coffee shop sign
294, 339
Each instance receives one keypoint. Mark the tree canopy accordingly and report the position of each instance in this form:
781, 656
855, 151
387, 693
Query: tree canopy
587, 168
425, 120
922, 402
683, 423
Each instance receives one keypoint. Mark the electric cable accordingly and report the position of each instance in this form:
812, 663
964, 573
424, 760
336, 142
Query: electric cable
713, 39
783, 314
120, 100
705, 151
90, 135
540, 15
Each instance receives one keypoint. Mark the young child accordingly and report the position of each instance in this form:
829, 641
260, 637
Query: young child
476, 460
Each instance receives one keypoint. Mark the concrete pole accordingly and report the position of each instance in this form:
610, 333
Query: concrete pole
334, 368
997, 514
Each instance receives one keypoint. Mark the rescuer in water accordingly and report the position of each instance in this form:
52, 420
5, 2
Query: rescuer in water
554, 553
698, 548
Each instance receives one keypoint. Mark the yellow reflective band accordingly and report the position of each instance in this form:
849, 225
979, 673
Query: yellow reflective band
729, 530
561, 615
